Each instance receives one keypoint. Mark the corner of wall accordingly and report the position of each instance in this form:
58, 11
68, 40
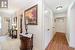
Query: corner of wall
71, 45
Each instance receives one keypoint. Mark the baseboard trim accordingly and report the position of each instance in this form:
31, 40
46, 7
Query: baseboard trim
67, 40
72, 46
48, 44
60, 32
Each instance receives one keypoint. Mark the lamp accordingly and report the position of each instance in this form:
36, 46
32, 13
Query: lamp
26, 25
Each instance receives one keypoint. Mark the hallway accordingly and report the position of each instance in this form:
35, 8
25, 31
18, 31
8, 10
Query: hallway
59, 42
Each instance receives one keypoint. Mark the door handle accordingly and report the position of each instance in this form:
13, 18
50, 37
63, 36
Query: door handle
53, 27
48, 29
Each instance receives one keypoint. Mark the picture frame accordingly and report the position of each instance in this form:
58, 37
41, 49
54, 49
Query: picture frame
31, 15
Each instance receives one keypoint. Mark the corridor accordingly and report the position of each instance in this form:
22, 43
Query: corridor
59, 42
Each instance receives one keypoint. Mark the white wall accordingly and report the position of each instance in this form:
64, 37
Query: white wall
62, 14
37, 30
71, 25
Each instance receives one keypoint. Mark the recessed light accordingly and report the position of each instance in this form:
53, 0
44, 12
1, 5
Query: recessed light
59, 8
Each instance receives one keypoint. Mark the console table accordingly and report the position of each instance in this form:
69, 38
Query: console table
26, 43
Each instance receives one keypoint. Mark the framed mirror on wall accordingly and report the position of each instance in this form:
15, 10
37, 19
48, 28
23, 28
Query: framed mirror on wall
14, 28
31, 15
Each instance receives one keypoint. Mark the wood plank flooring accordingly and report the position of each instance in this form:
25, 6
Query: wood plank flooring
59, 42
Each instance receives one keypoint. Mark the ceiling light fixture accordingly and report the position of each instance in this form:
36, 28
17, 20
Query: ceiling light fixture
59, 8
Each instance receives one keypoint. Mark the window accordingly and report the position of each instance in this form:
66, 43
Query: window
0, 22
3, 3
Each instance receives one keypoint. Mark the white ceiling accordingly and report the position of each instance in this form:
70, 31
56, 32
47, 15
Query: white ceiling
52, 4
15, 5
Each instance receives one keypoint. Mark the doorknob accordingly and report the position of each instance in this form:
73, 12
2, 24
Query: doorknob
53, 27
48, 29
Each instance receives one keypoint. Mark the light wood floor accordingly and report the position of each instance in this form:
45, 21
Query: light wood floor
59, 42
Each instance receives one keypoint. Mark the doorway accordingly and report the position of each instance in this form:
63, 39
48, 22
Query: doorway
60, 24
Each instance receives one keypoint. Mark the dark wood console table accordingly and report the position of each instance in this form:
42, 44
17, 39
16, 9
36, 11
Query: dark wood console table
26, 43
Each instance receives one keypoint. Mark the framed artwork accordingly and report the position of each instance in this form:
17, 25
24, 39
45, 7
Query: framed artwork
31, 15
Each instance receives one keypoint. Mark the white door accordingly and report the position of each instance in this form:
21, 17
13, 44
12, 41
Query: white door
48, 26
61, 25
